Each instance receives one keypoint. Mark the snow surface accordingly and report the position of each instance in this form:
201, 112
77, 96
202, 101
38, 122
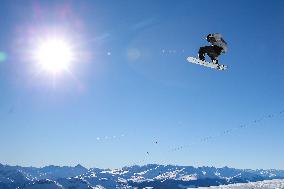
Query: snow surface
267, 184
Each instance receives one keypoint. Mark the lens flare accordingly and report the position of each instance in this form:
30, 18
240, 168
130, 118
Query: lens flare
3, 56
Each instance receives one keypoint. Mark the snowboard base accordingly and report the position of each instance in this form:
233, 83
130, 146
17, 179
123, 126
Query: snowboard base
206, 64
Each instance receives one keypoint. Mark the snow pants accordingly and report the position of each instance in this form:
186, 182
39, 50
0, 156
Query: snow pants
212, 51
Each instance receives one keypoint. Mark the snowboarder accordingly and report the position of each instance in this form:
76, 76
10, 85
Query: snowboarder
218, 46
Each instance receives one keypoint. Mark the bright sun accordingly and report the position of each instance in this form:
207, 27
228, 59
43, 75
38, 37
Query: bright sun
54, 55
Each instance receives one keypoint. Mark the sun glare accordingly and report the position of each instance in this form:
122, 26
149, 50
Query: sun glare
54, 55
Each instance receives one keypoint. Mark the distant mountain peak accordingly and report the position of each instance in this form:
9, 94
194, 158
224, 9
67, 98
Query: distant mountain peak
79, 166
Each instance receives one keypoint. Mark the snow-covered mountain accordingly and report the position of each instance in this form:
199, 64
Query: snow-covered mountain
151, 175
52, 172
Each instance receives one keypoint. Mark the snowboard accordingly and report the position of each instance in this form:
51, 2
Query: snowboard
206, 64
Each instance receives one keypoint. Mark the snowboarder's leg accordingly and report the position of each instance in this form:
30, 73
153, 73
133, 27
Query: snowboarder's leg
214, 52
217, 50
214, 60
202, 51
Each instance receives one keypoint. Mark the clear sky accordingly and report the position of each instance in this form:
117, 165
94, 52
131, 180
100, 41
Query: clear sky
130, 96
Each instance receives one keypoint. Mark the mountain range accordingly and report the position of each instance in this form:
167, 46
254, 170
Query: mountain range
146, 176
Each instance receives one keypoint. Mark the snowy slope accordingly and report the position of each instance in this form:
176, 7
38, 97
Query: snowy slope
267, 184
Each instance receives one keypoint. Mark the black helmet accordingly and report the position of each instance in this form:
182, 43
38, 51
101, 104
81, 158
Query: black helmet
208, 37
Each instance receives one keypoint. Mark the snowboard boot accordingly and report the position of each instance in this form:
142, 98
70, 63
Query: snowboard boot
201, 57
215, 61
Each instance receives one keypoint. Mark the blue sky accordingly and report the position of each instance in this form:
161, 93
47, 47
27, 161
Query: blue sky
131, 86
